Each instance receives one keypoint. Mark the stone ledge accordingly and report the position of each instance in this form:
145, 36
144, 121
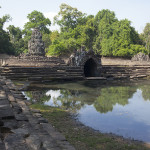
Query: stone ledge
21, 130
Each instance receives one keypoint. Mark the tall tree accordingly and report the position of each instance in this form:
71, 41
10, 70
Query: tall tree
146, 35
104, 21
5, 45
15, 35
68, 17
114, 37
36, 19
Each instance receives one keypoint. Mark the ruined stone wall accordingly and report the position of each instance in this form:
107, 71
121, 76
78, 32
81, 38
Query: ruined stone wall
32, 61
122, 62
124, 72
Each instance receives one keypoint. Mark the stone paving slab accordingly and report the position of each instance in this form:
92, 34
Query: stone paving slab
21, 129
6, 112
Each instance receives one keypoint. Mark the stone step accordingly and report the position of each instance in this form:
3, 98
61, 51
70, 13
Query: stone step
56, 78
42, 74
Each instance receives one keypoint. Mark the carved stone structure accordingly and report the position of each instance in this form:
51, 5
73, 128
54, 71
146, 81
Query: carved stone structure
79, 58
140, 57
90, 62
36, 45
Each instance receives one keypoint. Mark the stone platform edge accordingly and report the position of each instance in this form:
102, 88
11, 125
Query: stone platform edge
22, 128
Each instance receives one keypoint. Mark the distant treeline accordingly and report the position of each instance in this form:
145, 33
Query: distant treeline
103, 33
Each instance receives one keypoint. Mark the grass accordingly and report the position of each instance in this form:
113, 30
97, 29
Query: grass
84, 138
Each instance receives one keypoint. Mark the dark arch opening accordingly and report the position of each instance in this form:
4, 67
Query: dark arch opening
90, 68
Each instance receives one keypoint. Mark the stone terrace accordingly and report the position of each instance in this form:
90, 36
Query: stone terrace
22, 128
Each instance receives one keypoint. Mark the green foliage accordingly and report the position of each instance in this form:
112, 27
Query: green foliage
4, 19
57, 48
54, 35
103, 33
37, 19
5, 45
68, 17
15, 35
146, 37
74, 37
114, 37
47, 41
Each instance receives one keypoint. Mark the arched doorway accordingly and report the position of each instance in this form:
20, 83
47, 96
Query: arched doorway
90, 68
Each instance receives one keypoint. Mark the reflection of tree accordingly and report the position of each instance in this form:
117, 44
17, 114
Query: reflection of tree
69, 100
111, 96
145, 92
38, 96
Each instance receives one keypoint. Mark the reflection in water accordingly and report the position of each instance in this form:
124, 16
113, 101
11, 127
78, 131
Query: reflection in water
37, 96
121, 109
111, 96
65, 98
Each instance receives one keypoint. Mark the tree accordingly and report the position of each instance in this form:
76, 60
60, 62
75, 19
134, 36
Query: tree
5, 45
104, 21
54, 35
47, 41
114, 37
146, 37
57, 48
15, 35
36, 19
68, 17
104, 33
89, 33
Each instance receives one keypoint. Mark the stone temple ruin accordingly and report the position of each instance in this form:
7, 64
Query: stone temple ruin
140, 57
87, 60
35, 66
36, 45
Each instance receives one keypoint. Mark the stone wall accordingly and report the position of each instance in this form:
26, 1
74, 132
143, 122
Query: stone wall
31, 61
42, 73
122, 62
122, 72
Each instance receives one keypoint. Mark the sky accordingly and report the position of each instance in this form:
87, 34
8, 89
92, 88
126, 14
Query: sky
137, 11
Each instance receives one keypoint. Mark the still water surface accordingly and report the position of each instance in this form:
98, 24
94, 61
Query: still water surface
119, 108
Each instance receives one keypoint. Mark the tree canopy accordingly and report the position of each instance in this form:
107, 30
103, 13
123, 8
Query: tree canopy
37, 19
68, 17
103, 33
5, 45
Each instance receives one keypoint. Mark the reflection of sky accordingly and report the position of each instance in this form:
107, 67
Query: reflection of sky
54, 95
28, 98
138, 108
130, 121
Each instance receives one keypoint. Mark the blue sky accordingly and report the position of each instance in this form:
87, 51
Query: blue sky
137, 11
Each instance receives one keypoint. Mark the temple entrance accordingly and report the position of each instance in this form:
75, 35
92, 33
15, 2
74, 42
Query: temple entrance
90, 68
